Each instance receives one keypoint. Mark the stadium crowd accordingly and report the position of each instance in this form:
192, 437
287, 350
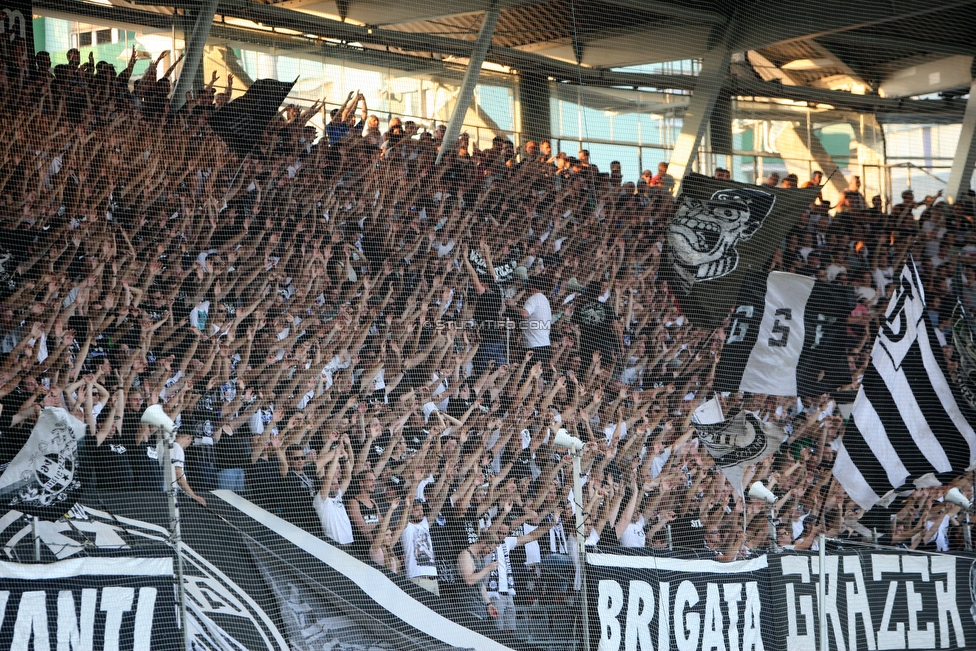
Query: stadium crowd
380, 349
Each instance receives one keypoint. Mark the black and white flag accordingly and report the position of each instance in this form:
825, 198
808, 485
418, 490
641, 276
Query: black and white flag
720, 231
737, 442
43, 479
909, 424
786, 337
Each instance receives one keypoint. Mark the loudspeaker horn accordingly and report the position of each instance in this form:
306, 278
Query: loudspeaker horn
956, 497
760, 492
564, 440
155, 416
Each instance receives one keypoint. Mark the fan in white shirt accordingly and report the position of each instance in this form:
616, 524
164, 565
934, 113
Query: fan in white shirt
328, 501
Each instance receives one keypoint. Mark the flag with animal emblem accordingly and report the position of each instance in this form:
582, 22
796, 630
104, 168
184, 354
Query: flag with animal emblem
737, 442
43, 478
910, 422
242, 122
721, 230
786, 337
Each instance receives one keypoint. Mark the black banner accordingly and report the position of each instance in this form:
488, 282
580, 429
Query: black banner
327, 598
648, 602
874, 600
89, 603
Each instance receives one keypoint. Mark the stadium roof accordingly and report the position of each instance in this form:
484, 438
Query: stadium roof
863, 56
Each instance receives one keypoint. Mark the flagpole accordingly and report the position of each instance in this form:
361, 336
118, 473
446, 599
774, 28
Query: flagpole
174, 517
233, 179
822, 594
37, 540
967, 534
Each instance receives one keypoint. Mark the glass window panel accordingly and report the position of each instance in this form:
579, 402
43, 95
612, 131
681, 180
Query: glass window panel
625, 127
569, 119
601, 155
496, 102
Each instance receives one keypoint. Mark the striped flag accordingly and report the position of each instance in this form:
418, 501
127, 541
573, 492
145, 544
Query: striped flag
909, 423
786, 337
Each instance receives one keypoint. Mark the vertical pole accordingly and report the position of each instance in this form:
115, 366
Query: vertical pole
471, 75
773, 543
745, 521
581, 543
711, 78
967, 534
822, 594
193, 61
962, 163
169, 475
37, 540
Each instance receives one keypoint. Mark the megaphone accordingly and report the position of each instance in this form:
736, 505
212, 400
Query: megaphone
956, 497
564, 440
760, 492
155, 416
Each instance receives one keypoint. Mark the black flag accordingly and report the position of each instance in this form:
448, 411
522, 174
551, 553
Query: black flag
721, 230
242, 122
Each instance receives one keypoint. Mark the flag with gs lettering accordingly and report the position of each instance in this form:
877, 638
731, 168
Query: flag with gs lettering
786, 337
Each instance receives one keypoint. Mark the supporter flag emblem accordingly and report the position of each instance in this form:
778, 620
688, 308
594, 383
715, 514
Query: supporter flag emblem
43, 479
719, 232
242, 122
786, 337
909, 423
737, 442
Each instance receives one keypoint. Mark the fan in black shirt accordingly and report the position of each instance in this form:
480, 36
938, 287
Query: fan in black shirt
596, 321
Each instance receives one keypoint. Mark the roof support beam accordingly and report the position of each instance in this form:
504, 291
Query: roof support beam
471, 76
831, 17
674, 10
962, 163
715, 67
193, 55
949, 46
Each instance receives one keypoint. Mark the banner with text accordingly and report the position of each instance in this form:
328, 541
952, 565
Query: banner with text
649, 602
874, 600
89, 603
